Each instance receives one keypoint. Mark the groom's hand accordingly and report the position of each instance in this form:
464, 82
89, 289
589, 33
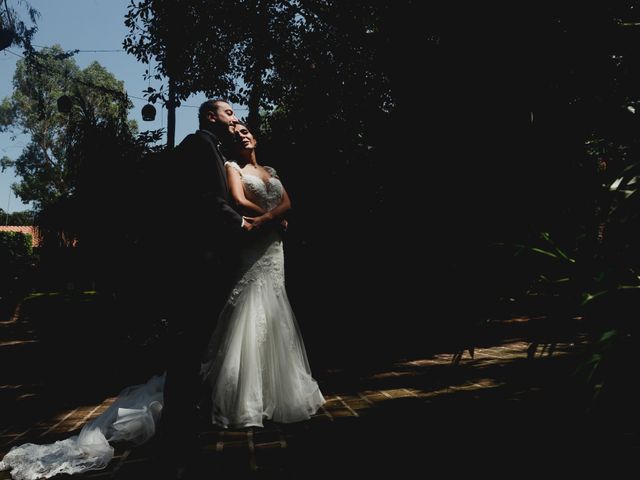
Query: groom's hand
247, 223
262, 220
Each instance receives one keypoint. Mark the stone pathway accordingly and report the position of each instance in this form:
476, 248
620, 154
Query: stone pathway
502, 407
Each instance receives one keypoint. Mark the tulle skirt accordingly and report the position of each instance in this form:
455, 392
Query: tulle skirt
132, 417
256, 363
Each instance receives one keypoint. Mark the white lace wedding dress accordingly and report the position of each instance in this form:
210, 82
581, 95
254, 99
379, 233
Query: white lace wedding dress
256, 362
256, 365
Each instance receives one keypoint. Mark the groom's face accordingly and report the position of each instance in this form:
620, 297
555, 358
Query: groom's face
224, 115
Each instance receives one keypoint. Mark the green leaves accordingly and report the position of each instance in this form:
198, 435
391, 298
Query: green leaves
15, 249
315, 58
588, 297
553, 252
14, 30
46, 167
6, 162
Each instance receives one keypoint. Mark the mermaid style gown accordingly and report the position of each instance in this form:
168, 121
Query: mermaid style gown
256, 365
256, 362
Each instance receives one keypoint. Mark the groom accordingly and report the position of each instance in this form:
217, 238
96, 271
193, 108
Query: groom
201, 258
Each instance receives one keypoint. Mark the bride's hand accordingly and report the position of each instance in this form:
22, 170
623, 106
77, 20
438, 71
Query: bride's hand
262, 219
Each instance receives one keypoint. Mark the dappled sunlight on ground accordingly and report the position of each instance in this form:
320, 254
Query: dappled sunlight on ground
435, 396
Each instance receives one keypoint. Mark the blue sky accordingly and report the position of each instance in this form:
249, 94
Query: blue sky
88, 25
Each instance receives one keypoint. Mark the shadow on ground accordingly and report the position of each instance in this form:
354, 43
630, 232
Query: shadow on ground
514, 408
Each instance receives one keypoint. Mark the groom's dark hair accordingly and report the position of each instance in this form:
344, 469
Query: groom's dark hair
206, 107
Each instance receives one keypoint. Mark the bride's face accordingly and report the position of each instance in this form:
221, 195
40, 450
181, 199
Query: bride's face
244, 138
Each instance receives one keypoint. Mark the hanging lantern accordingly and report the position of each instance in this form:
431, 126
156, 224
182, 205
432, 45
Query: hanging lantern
64, 104
148, 113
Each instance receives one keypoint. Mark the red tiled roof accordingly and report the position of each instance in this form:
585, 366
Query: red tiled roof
22, 229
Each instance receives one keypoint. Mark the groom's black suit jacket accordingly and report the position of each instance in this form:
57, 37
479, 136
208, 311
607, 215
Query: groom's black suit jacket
197, 247
212, 226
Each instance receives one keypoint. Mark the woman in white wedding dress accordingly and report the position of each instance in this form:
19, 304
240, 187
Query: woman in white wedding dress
256, 362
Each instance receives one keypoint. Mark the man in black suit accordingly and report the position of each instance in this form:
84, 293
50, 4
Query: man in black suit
201, 261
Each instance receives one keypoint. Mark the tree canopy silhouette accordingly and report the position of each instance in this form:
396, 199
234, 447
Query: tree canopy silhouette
13, 29
46, 167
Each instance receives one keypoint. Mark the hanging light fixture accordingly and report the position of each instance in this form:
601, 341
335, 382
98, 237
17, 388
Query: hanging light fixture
64, 104
148, 113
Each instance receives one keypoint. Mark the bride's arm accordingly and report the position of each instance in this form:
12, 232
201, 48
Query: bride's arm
276, 213
237, 192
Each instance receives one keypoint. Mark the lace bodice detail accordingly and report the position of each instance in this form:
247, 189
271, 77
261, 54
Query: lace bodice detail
264, 194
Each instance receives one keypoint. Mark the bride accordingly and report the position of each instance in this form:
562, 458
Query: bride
255, 364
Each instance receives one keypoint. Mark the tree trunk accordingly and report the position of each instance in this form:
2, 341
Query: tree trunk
171, 114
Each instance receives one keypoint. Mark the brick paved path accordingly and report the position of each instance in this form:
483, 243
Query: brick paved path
511, 406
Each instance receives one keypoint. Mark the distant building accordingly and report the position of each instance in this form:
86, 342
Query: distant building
31, 230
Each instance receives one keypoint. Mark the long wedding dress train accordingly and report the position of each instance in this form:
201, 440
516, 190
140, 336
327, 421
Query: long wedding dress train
256, 365
132, 417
